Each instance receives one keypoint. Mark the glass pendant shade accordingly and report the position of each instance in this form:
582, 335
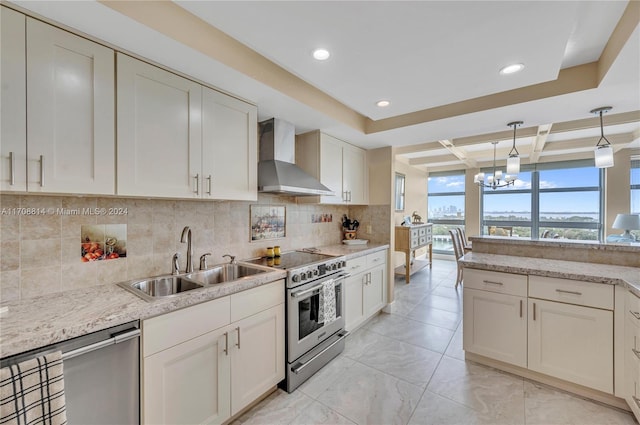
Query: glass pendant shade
513, 165
604, 156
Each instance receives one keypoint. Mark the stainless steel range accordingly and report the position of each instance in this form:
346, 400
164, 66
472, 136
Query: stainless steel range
311, 341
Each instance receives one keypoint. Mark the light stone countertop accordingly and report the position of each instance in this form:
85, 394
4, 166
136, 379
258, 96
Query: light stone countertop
590, 272
558, 243
36, 322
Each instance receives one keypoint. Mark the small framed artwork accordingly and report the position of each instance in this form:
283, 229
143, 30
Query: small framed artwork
267, 222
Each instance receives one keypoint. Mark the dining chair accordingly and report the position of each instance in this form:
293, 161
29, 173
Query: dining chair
466, 245
458, 252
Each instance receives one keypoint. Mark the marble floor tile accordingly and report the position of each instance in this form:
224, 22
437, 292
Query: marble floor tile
480, 388
546, 406
367, 396
437, 410
442, 303
319, 414
448, 292
405, 361
435, 316
360, 341
326, 376
404, 329
455, 346
404, 306
279, 408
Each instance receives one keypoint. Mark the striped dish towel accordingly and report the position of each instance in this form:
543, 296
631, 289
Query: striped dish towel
32, 392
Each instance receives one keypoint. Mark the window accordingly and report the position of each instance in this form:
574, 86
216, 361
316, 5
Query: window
400, 181
445, 199
635, 185
554, 200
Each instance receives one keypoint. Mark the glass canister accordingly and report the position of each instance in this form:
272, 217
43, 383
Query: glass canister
276, 251
270, 253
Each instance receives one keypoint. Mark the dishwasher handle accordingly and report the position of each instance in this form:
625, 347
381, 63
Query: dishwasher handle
116, 339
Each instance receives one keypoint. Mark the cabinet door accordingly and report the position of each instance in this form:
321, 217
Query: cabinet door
229, 147
159, 132
13, 95
331, 168
355, 174
572, 342
632, 363
257, 356
353, 297
375, 290
188, 383
70, 105
495, 326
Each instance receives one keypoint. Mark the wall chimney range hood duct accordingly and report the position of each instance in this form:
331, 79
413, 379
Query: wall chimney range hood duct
276, 171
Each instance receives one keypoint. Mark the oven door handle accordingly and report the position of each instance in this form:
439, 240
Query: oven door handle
298, 294
301, 366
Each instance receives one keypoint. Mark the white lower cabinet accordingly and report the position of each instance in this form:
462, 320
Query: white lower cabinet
495, 326
632, 353
205, 363
365, 289
571, 342
557, 327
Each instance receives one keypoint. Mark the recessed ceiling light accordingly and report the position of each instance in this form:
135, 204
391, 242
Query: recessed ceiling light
383, 103
321, 54
510, 69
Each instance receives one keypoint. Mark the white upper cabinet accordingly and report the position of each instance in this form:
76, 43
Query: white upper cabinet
159, 132
70, 110
338, 165
13, 92
178, 139
64, 84
229, 147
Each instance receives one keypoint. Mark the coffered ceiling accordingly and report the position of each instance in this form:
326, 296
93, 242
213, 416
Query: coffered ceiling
437, 62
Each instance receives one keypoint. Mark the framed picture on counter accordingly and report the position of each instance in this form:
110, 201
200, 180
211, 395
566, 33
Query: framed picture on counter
267, 222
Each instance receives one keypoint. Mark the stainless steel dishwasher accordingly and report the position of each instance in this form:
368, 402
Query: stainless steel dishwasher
101, 375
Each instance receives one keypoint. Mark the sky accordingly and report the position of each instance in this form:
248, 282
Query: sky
549, 202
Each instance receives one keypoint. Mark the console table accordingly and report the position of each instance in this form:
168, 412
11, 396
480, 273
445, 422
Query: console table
408, 239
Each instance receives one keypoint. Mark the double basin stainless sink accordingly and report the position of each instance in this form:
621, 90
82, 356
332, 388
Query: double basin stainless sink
154, 288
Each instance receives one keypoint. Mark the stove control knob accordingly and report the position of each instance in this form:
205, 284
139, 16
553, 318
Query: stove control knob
316, 272
303, 276
333, 266
309, 274
343, 264
295, 278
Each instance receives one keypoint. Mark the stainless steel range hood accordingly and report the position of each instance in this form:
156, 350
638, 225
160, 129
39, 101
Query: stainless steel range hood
276, 171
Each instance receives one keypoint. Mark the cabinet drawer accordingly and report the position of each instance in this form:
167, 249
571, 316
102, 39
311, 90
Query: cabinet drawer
253, 301
376, 258
633, 308
572, 291
422, 241
356, 265
422, 231
415, 242
504, 283
415, 233
162, 332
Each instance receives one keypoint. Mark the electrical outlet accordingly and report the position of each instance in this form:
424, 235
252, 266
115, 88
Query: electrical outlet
369, 229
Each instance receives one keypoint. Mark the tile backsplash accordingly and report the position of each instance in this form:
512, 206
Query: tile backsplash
39, 253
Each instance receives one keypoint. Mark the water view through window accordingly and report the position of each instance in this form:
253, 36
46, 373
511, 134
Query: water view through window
557, 201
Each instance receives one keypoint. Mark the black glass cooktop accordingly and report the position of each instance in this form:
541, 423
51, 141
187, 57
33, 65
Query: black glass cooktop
291, 260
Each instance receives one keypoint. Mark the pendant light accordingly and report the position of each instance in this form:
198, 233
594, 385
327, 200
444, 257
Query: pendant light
513, 161
494, 180
603, 151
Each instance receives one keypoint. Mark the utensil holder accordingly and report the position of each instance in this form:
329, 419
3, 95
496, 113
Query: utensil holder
350, 235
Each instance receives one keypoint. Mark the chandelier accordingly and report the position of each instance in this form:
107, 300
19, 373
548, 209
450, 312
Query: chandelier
495, 179
603, 152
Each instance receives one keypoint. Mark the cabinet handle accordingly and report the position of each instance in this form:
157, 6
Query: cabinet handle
12, 165
520, 308
534, 311
493, 283
635, 314
41, 170
209, 181
349, 196
238, 342
197, 179
636, 352
562, 291
226, 343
